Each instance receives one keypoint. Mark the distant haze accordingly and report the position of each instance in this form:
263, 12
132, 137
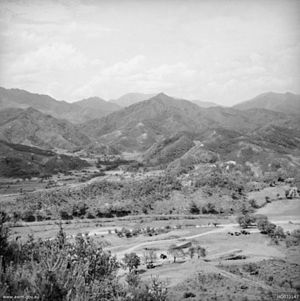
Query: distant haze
217, 51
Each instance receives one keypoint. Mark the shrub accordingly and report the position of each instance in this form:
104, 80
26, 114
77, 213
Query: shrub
268, 199
90, 215
79, 209
65, 215
28, 216
194, 209
209, 209
188, 295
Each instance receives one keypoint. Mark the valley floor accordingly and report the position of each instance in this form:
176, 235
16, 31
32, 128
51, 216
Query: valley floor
210, 232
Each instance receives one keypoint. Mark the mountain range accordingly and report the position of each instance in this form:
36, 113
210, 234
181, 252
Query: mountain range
139, 126
162, 128
77, 112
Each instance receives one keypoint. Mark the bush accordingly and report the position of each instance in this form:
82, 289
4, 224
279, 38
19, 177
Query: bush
28, 216
209, 209
254, 204
188, 295
194, 209
90, 215
79, 209
65, 215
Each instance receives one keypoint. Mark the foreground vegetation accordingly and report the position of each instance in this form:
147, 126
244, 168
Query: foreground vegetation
58, 269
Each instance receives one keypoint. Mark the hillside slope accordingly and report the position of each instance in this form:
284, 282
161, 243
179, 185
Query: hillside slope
18, 160
31, 127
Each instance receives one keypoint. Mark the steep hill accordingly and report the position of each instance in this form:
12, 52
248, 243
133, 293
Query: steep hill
78, 112
131, 98
31, 127
286, 103
139, 126
18, 160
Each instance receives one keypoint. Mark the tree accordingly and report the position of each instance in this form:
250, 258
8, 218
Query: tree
132, 261
262, 225
265, 227
245, 220
279, 233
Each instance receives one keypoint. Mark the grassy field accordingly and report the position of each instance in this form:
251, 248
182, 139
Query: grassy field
200, 231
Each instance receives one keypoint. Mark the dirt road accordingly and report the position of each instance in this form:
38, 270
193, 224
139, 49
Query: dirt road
219, 229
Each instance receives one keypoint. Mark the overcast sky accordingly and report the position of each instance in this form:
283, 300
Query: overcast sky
223, 51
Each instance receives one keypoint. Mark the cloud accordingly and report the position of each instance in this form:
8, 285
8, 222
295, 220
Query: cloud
134, 74
50, 68
52, 57
221, 52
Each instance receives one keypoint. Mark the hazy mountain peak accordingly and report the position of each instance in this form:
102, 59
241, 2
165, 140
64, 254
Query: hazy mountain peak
287, 102
162, 94
91, 99
131, 98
